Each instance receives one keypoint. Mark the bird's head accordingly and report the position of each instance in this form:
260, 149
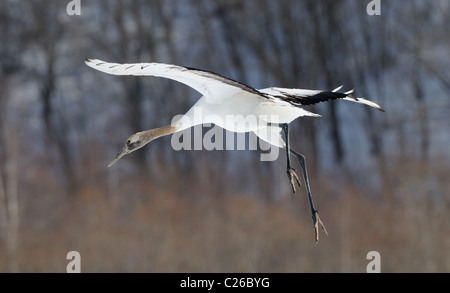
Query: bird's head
134, 142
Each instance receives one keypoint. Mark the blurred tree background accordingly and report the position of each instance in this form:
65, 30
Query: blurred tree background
379, 179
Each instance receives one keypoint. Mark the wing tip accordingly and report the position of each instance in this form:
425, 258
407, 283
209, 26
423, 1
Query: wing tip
93, 61
337, 89
349, 92
374, 105
90, 62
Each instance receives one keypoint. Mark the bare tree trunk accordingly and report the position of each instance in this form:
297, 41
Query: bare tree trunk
46, 92
56, 126
12, 201
44, 15
422, 117
9, 197
325, 24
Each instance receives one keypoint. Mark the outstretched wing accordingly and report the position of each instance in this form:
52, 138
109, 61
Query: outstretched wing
214, 87
299, 97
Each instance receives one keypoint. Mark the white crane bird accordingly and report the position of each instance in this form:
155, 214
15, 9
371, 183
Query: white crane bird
223, 96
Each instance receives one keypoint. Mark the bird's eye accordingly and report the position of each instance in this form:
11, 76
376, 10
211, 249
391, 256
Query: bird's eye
128, 142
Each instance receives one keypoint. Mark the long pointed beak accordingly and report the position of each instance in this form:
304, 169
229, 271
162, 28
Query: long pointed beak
122, 153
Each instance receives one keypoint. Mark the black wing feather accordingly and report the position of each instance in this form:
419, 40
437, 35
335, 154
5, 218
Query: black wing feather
313, 99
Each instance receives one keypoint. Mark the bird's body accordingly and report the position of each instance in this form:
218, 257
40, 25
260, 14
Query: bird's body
233, 106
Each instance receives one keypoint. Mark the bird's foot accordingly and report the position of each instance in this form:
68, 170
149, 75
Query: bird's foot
293, 178
316, 223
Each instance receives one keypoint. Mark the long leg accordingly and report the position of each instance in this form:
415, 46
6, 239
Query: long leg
314, 212
289, 170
